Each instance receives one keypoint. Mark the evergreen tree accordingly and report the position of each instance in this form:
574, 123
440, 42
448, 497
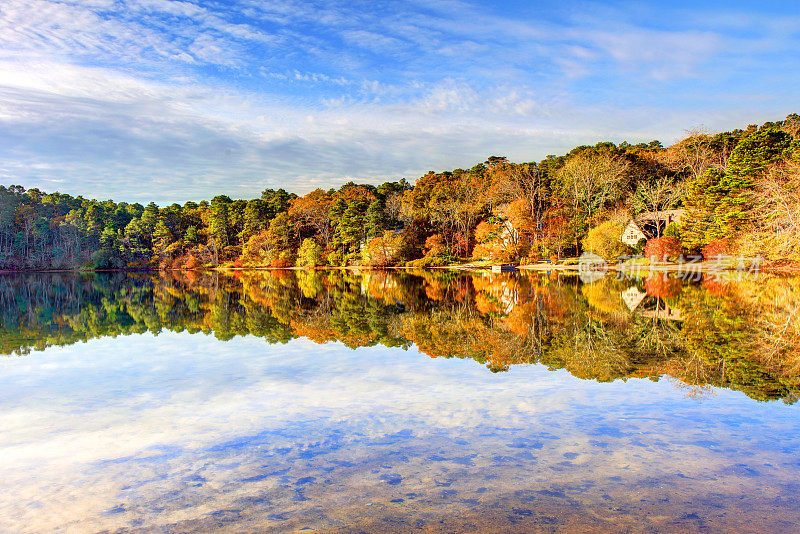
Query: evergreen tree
218, 222
702, 203
162, 239
376, 219
255, 219
755, 153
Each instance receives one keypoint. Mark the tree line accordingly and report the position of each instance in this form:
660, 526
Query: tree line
740, 191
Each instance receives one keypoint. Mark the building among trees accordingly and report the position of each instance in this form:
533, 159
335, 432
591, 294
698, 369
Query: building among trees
650, 224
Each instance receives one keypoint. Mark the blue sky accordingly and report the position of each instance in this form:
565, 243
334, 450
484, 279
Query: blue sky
162, 100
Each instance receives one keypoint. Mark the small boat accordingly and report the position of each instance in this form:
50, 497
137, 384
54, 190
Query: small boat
504, 268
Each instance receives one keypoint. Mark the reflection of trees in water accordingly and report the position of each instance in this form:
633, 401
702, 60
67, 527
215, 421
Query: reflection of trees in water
742, 336
776, 312
727, 332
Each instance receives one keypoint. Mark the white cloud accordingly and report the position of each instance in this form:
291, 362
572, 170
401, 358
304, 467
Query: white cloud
664, 55
107, 133
194, 99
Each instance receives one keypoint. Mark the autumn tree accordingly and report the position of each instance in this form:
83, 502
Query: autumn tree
589, 182
775, 213
384, 250
697, 153
702, 200
605, 240
527, 190
218, 225
657, 194
313, 211
309, 254
274, 247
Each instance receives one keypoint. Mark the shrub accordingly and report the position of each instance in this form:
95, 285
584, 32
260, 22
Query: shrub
102, 259
177, 263
604, 240
717, 248
492, 251
281, 259
672, 230
309, 254
663, 248
383, 251
192, 263
427, 261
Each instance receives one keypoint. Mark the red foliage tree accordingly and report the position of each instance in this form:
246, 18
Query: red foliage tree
717, 248
281, 262
663, 247
177, 263
435, 246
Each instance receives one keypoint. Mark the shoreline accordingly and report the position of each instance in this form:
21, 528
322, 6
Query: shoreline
702, 267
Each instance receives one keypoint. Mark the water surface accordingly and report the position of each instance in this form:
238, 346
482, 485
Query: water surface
379, 402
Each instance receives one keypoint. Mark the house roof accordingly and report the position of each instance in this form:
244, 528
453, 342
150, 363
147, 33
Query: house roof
635, 223
643, 231
665, 215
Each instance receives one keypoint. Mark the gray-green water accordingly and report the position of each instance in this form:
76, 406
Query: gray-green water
380, 402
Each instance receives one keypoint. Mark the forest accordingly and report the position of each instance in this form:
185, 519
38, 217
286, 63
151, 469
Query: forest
739, 192
743, 336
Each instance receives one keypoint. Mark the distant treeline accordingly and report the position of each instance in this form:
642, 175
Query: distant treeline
743, 336
740, 191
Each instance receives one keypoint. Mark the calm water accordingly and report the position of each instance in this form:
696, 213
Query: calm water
379, 402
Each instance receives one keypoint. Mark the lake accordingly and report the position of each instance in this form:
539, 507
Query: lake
430, 401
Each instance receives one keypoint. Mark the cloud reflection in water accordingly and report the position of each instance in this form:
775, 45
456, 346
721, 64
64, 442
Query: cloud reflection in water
186, 430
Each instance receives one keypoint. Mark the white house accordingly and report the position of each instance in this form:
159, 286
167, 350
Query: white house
632, 234
649, 224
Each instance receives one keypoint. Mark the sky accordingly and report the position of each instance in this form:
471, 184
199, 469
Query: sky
169, 101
